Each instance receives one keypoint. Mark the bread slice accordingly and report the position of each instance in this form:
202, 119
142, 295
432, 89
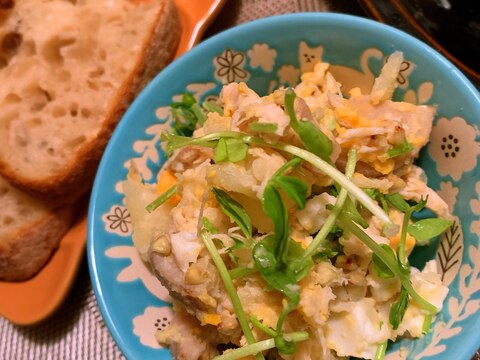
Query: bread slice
30, 230
68, 71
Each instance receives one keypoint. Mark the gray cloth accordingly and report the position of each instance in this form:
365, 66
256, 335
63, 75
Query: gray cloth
77, 330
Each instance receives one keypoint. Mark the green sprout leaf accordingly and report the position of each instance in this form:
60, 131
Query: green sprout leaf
210, 106
199, 114
187, 101
233, 150
295, 189
279, 279
312, 137
382, 270
426, 229
398, 202
350, 210
274, 207
186, 114
208, 225
398, 309
299, 267
234, 211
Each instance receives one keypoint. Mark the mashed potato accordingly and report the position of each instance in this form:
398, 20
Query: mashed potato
257, 237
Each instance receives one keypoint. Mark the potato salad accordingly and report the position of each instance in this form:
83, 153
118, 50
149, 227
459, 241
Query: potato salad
282, 224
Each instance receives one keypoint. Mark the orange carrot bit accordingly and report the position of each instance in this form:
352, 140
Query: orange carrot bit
165, 181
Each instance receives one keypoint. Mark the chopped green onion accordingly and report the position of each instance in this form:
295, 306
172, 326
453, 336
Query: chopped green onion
381, 349
260, 346
402, 245
267, 128
327, 227
162, 198
207, 224
258, 324
289, 164
427, 323
230, 288
404, 148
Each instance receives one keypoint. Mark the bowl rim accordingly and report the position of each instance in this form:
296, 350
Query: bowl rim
204, 47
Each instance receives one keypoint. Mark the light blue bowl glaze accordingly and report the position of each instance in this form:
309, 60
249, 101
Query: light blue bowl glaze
125, 300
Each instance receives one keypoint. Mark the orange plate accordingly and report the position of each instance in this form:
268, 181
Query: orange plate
29, 302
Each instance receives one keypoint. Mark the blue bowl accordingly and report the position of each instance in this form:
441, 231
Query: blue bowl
266, 54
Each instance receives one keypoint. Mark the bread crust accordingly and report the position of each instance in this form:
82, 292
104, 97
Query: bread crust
77, 176
5, 7
25, 250
24, 253
7, 4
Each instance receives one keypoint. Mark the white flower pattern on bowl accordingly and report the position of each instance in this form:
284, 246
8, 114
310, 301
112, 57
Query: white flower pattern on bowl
261, 55
118, 221
146, 325
448, 192
137, 270
229, 66
288, 74
453, 147
421, 96
475, 206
